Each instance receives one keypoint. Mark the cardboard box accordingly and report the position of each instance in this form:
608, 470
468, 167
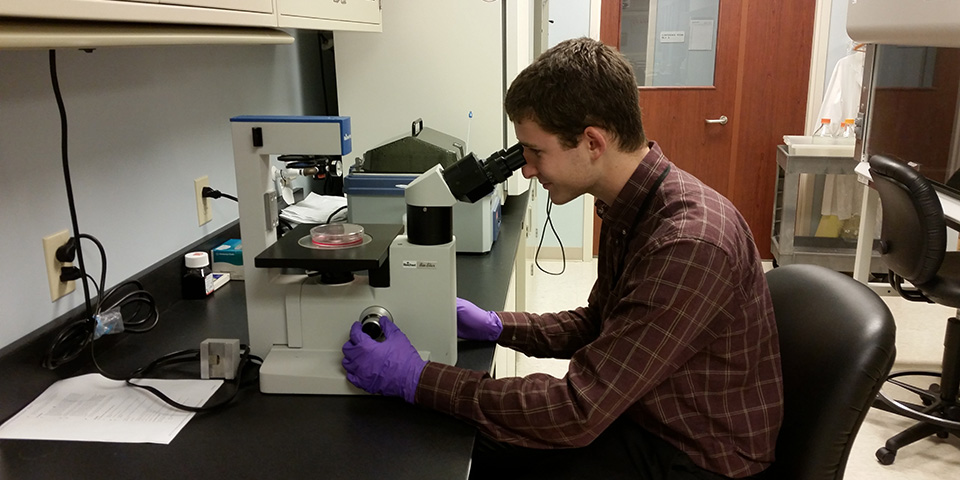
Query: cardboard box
228, 258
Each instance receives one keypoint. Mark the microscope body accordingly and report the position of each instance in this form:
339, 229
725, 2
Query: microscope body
298, 320
421, 300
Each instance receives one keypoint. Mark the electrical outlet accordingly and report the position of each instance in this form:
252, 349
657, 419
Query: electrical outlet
50, 245
204, 211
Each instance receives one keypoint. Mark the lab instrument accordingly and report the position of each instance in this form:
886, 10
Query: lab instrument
302, 300
374, 186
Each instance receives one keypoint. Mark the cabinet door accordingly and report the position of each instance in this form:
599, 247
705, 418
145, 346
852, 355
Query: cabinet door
265, 6
249, 13
362, 11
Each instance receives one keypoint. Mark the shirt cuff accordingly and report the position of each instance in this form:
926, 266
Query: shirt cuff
512, 333
448, 389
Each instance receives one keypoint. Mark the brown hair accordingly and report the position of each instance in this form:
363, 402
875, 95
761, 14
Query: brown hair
576, 84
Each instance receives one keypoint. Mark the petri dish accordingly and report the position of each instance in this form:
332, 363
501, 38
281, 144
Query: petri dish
337, 235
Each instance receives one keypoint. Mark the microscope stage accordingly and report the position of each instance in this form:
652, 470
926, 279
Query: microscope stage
288, 253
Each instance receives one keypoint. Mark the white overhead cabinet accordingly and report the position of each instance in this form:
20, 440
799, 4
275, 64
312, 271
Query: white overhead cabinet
245, 13
265, 6
356, 15
360, 15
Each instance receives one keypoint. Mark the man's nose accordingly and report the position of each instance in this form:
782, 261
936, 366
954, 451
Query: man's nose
528, 171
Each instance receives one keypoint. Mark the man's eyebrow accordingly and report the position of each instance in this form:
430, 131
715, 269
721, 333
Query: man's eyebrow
527, 145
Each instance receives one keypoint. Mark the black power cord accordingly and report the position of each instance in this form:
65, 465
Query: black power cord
54, 80
208, 192
247, 363
563, 255
135, 306
118, 301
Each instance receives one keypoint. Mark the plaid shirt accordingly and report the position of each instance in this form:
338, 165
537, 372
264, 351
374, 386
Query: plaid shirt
678, 336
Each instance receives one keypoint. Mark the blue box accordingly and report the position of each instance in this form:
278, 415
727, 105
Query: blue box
228, 258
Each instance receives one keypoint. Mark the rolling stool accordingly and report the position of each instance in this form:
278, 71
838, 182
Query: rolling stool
913, 245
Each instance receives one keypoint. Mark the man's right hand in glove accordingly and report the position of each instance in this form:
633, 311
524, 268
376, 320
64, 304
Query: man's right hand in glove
475, 323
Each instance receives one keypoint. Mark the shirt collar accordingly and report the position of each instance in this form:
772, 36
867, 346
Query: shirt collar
620, 216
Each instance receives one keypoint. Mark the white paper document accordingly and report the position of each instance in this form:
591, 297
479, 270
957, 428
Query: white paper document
92, 408
701, 34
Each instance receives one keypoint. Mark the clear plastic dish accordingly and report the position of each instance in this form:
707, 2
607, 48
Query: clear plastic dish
337, 235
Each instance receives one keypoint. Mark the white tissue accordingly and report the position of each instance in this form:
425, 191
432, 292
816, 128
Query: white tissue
316, 209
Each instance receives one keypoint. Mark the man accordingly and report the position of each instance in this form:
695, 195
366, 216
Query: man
674, 362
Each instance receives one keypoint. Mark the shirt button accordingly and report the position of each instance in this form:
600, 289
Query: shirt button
624, 232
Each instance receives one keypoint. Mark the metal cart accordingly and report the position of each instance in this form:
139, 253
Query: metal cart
834, 253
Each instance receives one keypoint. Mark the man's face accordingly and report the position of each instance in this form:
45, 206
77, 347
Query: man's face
562, 172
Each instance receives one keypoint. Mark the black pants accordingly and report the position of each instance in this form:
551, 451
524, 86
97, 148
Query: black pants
623, 451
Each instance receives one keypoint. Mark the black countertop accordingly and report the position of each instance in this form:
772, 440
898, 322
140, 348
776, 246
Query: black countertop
259, 435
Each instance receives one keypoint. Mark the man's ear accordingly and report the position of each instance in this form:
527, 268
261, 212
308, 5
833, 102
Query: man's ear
596, 140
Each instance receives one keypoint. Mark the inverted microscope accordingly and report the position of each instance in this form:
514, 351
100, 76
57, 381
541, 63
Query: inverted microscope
305, 289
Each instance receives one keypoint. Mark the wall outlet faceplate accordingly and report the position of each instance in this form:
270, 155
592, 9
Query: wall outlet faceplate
204, 211
50, 245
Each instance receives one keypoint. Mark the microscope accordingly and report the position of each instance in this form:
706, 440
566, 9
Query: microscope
306, 288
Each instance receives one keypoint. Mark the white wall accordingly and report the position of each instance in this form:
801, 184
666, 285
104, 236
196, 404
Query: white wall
436, 60
143, 123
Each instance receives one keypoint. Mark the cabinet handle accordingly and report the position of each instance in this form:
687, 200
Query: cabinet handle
722, 120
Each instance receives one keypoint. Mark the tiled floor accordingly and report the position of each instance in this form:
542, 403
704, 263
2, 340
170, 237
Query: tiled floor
920, 329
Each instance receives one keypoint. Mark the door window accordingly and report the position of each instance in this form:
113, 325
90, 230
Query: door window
670, 43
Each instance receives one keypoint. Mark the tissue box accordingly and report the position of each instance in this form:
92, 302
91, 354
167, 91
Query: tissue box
228, 258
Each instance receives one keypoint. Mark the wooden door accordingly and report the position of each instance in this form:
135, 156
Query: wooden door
760, 84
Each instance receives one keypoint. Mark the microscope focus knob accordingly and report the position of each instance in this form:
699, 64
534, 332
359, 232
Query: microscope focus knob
370, 321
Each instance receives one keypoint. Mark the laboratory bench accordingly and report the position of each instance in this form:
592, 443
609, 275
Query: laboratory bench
261, 435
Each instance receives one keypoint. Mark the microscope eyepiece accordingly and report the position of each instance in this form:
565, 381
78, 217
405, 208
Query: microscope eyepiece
470, 179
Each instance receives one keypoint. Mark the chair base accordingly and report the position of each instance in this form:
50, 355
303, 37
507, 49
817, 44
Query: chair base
939, 413
888, 453
946, 416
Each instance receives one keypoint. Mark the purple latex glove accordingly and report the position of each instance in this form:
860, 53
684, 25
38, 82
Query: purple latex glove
475, 323
388, 367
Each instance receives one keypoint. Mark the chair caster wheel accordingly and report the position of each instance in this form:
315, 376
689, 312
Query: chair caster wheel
886, 456
943, 434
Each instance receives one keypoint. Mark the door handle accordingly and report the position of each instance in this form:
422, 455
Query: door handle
722, 120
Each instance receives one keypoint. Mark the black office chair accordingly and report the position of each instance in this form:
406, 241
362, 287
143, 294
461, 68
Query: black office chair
837, 346
913, 241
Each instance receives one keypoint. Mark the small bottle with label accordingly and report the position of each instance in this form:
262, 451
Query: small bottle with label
823, 135
847, 129
197, 279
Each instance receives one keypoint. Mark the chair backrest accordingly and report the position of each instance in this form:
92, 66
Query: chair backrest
836, 349
913, 236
